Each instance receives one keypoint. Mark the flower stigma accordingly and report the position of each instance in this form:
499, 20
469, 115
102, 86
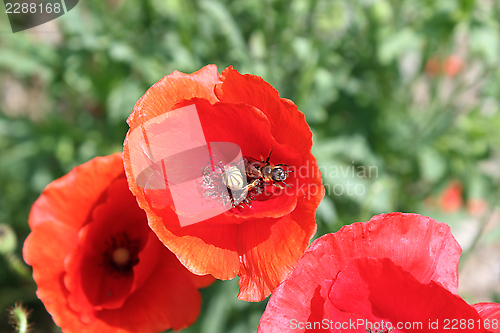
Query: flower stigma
121, 254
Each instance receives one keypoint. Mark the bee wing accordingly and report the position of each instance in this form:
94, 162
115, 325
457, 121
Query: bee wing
252, 167
250, 159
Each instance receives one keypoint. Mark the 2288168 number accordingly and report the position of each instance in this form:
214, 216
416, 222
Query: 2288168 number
455, 324
33, 8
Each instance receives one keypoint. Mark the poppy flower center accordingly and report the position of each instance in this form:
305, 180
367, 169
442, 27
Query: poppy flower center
121, 254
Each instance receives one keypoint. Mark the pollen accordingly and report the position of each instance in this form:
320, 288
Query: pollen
121, 256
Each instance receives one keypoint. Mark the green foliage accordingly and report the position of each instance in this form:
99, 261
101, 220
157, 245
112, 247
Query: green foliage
361, 71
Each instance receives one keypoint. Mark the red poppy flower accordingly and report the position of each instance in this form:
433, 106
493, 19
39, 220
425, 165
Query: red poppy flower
397, 272
261, 240
97, 264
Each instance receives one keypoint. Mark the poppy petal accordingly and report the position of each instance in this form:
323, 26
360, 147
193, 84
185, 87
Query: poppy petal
49, 261
269, 249
282, 113
171, 89
83, 190
92, 282
291, 301
381, 292
176, 303
200, 281
201, 248
420, 245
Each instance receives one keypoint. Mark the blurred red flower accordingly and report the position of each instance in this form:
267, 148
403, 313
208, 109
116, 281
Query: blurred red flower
451, 66
451, 197
260, 242
97, 264
396, 270
432, 66
476, 206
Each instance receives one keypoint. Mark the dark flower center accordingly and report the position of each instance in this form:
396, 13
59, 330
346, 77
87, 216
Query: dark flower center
121, 254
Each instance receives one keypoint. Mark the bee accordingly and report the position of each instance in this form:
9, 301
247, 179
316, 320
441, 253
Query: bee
266, 171
217, 178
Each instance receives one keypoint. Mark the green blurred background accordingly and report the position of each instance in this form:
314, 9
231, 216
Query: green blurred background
408, 90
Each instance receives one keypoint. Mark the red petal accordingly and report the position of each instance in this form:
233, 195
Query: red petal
288, 125
45, 249
419, 244
292, 300
92, 286
380, 291
171, 89
269, 249
201, 248
160, 99
176, 303
54, 204
200, 281
422, 246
